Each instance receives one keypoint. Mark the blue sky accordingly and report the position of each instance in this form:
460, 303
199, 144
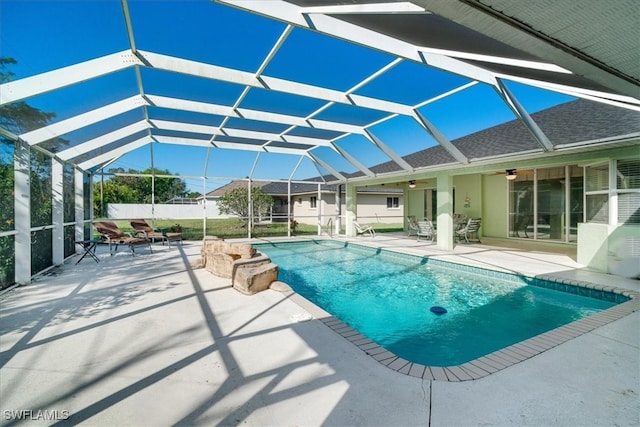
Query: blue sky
45, 35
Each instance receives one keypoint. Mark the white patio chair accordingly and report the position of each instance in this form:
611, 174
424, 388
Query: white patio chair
469, 231
367, 229
426, 229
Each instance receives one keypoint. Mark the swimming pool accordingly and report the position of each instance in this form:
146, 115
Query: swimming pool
387, 297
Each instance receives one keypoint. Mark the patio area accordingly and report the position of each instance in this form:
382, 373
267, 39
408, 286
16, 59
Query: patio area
147, 340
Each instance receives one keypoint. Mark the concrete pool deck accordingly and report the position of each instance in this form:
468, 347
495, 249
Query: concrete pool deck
146, 340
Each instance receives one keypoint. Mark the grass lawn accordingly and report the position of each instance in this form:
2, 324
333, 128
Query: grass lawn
233, 228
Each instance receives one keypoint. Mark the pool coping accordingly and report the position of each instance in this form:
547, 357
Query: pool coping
491, 362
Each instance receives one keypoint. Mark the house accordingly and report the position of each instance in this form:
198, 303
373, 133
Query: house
313, 203
584, 188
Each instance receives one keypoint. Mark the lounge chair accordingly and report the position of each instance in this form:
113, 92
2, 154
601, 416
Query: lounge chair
469, 231
413, 225
114, 236
142, 226
367, 229
426, 229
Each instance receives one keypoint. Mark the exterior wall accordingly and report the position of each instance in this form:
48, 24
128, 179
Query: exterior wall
495, 206
610, 248
305, 214
468, 188
133, 210
372, 208
415, 205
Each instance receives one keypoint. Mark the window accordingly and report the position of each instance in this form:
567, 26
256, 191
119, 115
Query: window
393, 202
596, 180
313, 202
628, 190
613, 197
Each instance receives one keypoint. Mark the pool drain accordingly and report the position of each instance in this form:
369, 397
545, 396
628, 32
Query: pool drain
436, 309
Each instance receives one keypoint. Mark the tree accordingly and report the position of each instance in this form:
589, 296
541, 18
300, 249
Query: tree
236, 202
165, 188
136, 189
18, 118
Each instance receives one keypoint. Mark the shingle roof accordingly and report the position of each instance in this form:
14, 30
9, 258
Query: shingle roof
571, 122
220, 191
575, 121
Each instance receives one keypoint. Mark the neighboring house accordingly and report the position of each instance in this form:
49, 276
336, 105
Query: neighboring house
212, 197
312, 205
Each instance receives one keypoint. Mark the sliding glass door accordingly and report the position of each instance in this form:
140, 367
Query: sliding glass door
546, 204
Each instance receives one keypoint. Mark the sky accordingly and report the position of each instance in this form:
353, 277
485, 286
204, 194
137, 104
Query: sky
46, 35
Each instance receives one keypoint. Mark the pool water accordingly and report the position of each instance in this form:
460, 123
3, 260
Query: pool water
388, 296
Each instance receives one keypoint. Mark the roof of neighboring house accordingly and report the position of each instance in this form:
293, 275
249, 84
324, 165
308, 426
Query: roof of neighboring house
182, 201
220, 191
281, 188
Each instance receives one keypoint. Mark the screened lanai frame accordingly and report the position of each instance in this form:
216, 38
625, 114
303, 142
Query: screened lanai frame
328, 115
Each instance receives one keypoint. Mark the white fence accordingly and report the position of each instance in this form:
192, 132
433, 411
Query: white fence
166, 211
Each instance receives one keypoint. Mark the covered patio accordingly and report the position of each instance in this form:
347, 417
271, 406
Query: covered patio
124, 342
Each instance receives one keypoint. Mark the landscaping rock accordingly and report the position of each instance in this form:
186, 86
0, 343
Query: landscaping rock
250, 280
250, 271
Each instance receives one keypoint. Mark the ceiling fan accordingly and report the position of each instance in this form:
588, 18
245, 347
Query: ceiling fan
511, 174
413, 182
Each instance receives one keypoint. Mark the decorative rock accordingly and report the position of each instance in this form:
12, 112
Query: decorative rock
280, 286
239, 262
250, 280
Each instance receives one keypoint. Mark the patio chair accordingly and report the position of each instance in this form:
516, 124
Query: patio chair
459, 221
142, 226
367, 229
112, 234
427, 230
413, 225
469, 231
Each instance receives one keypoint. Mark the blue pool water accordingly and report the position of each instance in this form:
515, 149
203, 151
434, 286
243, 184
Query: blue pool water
387, 297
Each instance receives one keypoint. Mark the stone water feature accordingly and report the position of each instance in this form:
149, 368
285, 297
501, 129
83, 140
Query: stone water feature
250, 271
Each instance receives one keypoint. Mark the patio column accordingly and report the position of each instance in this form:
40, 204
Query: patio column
78, 184
351, 209
319, 210
338, 210
57, 199
22, 206
444, 188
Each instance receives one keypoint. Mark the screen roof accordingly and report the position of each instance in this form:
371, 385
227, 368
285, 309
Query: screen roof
305, 89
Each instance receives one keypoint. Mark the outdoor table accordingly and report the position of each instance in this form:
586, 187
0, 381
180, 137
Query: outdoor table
89, 247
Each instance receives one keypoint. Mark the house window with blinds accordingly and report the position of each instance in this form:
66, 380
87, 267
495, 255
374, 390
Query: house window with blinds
621, 187
596, 190
628, 191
